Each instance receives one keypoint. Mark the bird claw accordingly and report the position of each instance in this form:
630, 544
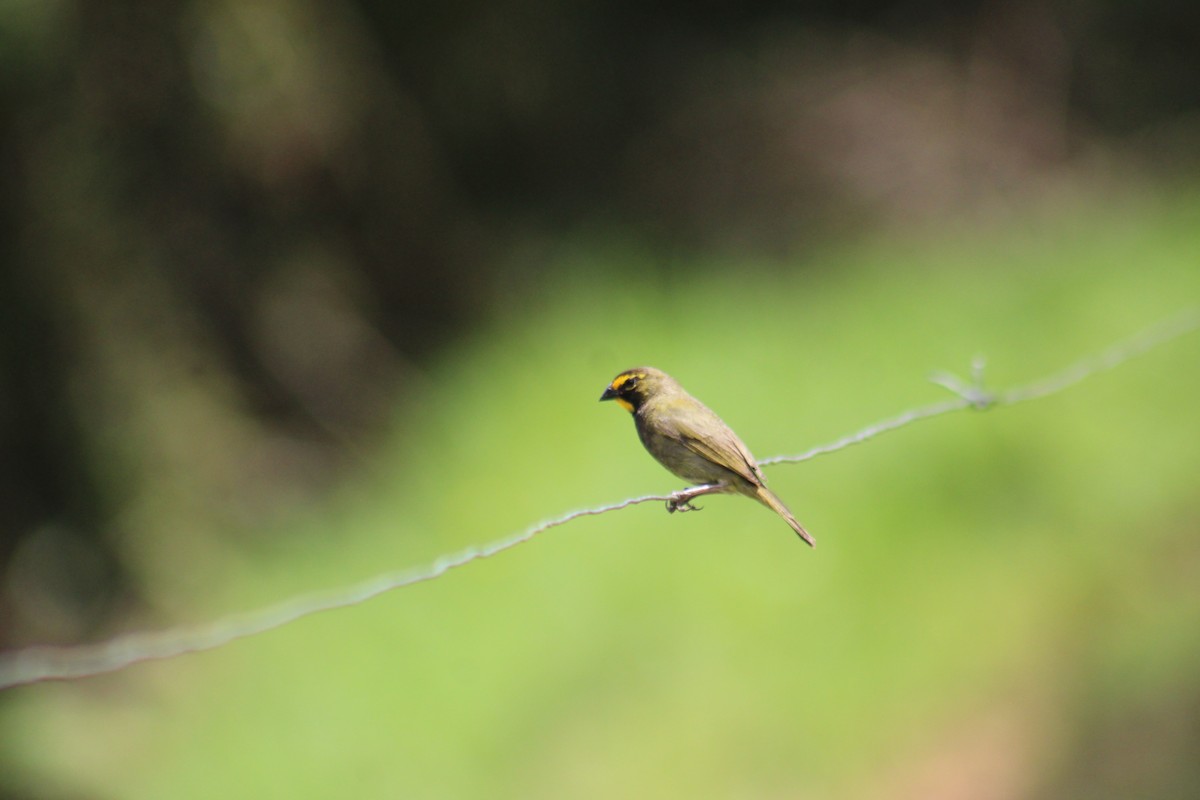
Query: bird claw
682, 500
681, 504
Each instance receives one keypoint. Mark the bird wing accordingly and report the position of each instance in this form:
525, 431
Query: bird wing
728, 451
706, 435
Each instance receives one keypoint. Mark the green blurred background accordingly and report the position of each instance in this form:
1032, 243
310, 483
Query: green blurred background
294, 293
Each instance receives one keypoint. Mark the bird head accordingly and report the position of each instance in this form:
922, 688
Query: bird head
634, 386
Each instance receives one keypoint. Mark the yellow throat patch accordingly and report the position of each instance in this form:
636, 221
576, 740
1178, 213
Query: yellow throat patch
620, 381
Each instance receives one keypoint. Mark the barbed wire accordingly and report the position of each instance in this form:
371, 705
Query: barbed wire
974, 394
45, 663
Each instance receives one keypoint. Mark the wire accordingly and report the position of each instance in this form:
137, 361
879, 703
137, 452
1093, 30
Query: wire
45, 663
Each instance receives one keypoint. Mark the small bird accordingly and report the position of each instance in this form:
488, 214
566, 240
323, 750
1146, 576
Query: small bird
687, 438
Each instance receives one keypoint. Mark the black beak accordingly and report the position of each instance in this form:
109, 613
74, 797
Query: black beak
609, 394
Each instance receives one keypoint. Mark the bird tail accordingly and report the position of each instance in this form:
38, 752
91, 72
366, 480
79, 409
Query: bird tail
768, 498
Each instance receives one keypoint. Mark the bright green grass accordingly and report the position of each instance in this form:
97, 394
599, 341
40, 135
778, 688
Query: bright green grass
1038, 565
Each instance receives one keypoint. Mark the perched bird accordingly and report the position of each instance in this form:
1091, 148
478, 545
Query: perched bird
692, 442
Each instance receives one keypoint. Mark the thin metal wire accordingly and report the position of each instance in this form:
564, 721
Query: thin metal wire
43, 663
973, 395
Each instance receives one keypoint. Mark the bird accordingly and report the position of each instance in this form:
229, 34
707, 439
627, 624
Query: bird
692, 442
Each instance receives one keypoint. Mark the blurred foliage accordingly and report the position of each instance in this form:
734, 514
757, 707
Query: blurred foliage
253, 253
281, 213
1001, 604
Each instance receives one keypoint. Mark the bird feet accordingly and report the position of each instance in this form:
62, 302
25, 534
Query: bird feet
682, 500
676, 503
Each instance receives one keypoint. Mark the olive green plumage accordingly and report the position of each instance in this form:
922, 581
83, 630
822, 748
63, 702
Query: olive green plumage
687, 438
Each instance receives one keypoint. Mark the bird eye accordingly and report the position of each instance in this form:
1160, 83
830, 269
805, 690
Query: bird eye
629, 384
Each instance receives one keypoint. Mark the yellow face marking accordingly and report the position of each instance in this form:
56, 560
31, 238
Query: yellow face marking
619, 384
624, 378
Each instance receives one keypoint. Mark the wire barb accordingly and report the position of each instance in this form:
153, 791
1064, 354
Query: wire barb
41, 663
973, 391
